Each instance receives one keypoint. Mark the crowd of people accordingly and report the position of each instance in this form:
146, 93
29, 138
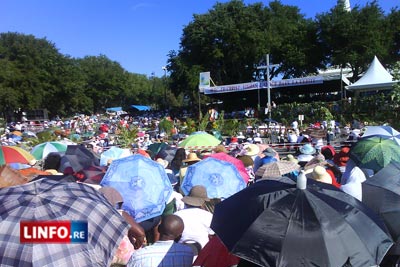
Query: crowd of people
182, 235
187, 218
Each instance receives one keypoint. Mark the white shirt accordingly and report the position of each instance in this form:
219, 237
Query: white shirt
197, 225
352, 180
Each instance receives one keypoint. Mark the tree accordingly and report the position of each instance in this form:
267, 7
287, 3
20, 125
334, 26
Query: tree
353, 38
30, 69
232, 37
393, 31
105, 81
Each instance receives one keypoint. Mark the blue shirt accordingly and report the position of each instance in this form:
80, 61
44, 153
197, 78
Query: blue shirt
162, 254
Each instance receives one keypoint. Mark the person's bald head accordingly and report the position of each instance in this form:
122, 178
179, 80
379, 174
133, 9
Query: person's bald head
171, 227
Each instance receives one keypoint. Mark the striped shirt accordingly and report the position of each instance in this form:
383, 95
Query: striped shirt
162, 254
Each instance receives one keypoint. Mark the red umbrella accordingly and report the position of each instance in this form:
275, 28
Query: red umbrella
215, 254
237, 162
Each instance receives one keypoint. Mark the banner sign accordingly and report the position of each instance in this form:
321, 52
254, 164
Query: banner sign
232, 88
260, 85
294, 82
204, 81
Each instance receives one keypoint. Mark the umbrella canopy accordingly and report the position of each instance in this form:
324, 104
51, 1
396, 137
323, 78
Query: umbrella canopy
17, 133
10, 177
237, 162
47, 199
91, 174
113, 153
281, 225
29, 134
167, 153
375, 153
220, 178
78, 157
199, 140
157, 147
14, 154
142, 182
42, 150
381, 193
276, 169
382, 131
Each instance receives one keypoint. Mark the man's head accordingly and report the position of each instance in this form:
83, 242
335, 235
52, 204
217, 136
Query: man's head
171, 228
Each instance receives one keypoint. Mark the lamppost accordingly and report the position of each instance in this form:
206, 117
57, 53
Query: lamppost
165, 86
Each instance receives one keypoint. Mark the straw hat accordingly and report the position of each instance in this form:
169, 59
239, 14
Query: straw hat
252, 150
247, 160
320, 174
191, 157
197, 196
220, 148
291, 158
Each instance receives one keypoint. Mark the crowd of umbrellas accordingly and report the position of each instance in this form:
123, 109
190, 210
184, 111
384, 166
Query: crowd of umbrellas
273, 222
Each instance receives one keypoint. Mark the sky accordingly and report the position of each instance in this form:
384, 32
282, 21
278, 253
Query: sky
137, 34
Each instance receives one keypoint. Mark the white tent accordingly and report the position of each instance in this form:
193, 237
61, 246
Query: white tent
375, 78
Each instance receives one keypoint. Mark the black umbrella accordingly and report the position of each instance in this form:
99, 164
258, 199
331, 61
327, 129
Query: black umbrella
167, 153
78, 157
381, 193
273, 223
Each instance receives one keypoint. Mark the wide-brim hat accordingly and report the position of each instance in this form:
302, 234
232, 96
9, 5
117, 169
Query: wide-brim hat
291, 158
320, 174
220, 148
307, 149
191, 157
197, 196
318, 160
247, 160
252, 150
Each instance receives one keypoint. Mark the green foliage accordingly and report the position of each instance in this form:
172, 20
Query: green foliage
228, 40
353, 38
204, 122
126, 136
190, 126
166, 126
219, 123
395, 94
231, 127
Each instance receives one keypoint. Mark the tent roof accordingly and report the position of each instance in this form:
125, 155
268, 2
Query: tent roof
141, 108
375, 78
115, 109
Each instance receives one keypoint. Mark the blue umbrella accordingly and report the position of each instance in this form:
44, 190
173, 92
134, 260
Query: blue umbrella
113, 153
222, 179
143, 184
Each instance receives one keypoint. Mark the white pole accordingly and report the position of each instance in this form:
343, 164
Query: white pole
268, 89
